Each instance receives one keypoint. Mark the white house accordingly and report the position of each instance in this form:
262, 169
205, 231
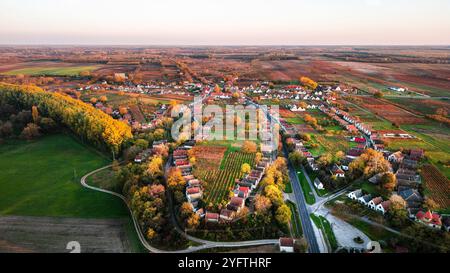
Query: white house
383, 207
318, 184
374, 202
365, 199
354, 195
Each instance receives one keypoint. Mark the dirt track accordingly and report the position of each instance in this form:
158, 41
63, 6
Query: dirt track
47, 234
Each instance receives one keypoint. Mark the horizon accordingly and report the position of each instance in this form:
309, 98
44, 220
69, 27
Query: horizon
210, 23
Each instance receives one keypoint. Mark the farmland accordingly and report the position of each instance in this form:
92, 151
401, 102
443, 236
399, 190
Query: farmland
437, 185
218, 167
49, 69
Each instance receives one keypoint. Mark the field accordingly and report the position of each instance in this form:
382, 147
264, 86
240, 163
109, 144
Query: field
437, 186
49, 69
218, 167
42, 178
25, 234
392, 113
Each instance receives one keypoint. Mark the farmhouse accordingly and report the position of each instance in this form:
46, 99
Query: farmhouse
227, 215
337, 171
396, 157
236, 204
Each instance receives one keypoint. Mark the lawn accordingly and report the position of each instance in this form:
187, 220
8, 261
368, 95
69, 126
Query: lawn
52, 71
42, 178
295, 220
323, 224
307, 191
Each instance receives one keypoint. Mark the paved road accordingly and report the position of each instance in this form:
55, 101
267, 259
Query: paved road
308, 230
205, 244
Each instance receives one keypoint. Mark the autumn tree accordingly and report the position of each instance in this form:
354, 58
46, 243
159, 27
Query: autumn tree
35, 114
258, 157
308, 83
274, 194
245, 168
249, 147
103, 99
397, 213
262, 204
297, 158
30, 131
154, 167
430, 204
388, 181
93, 100
193, 221
175, 179
283, 214
185, 210
369, 163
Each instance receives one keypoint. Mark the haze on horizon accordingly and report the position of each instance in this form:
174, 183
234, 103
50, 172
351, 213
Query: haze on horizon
231, 22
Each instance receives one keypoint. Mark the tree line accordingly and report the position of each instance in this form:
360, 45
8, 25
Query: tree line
84, 120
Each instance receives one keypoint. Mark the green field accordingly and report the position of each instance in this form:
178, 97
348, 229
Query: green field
51, 71
323, 224
295, 220
42, 178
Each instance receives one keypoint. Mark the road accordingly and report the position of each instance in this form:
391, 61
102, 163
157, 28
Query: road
300, 201
205, 244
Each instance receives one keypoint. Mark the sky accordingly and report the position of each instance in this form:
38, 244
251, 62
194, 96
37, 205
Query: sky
225, 22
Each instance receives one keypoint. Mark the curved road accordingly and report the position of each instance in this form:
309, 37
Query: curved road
206, 244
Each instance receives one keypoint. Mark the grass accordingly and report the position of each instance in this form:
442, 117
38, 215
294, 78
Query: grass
52, 71
288, 187
323, 224
295, 220
42, 178
306, 188
105, 179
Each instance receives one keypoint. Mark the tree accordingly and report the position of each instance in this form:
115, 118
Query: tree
388, 181
141, 143
236, 95
93, 100
262, 204
35, 114
339, 155
274, 194
193, 221
378, 95
245, 168
249, 147
258, 157
151, 233
283, 214
297, 158
175, 179
397, 213
308, 83
369, 163
325, 160
185, 210
123, 110
430, 204
6, 129
103, 99
217, 88
30, 131
154, 167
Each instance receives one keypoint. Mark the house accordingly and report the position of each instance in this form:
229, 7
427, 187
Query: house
383, 207
430, 219
236, 204
318, 184
211, 217
286, 245
227, 215
376, 179
337, 171
416, 154
412, 197
365, 199
194, 193
193, 183
355, 195
396, 157
242, 192
374, 202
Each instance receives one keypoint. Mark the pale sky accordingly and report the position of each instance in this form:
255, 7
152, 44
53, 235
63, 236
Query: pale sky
225, 22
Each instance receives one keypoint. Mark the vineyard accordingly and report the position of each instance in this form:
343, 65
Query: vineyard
219, 177
437, 185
